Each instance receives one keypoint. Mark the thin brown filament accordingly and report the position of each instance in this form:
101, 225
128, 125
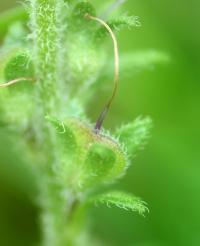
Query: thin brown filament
15, 81
104, 112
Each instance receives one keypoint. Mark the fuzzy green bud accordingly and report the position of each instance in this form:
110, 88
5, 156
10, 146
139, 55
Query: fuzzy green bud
97, 159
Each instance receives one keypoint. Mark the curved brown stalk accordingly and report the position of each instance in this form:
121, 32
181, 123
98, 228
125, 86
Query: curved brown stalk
106, 108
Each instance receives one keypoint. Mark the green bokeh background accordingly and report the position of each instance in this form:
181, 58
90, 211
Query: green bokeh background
167, 173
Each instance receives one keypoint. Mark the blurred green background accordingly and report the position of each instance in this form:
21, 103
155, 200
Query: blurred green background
167, 173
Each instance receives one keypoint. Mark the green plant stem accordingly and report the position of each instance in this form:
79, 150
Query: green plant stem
46, 39
45, 20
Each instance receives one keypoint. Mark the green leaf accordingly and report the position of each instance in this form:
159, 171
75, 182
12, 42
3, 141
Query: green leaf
66, 152
79, 12
67, 141
125, 21
94, 159
118, 24
18, 101
98, 156
99, 161
83, 8
121, 200
19, 66
135, 135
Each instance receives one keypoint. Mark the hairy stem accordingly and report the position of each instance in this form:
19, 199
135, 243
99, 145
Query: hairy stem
46, 40
45, 22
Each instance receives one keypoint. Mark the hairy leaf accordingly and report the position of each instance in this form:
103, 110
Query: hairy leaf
17, 101
118, 24
65, 135
97, 159
79, 14
135, 135
19, 66
121, 200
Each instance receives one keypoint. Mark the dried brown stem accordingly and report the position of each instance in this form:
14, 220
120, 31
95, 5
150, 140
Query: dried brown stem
106, 108
15, 81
